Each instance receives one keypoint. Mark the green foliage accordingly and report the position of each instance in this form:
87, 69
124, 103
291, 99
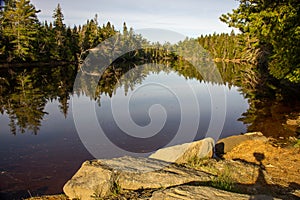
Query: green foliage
26, 105
297, 144
60, 50
203, 164
224, 46
224, 181
23, 38
24, 94
58, 19
96, 196
275, 25
19, 28
195, 161
116, 189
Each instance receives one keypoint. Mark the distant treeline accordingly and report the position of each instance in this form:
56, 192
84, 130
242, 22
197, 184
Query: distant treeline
23, 38
269, 37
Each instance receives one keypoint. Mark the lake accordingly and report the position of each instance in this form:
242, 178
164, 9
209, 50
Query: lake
49, 125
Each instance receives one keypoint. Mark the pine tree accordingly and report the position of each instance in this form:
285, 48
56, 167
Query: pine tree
74, 44
58, 18
46, 42
107, 31
59, 34
20, 28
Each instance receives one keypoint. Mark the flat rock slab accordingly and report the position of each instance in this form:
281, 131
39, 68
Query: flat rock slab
185, 152
202, 192
98, 178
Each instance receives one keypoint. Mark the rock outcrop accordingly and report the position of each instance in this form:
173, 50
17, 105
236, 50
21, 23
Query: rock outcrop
185, 152
202, 192
227, 144
98, 178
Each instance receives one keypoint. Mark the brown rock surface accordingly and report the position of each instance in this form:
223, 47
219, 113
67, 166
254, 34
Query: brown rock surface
227, 144
282, 165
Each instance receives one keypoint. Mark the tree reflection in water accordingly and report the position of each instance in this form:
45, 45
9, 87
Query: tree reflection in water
24, 93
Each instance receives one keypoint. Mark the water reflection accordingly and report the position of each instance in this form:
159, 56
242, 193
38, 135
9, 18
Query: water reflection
25, 92
37, 100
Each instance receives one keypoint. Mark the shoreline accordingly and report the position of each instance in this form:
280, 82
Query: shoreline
35, 64
240, 158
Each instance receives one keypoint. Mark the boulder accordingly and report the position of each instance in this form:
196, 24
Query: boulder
227, 144
98, 178
202, 192
185, 152
89, 180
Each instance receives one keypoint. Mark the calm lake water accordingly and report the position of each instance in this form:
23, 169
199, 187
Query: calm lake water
41, 146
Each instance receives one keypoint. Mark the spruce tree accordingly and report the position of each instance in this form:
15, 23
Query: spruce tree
20, 28
59, 34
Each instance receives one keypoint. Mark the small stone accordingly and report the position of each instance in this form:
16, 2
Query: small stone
270, 165
254, 134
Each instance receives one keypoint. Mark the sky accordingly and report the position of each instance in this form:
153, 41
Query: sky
187, 17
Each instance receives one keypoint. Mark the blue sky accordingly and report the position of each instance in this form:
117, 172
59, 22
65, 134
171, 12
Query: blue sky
188, 17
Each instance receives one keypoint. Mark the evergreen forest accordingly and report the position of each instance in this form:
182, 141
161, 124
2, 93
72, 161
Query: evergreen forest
268, 38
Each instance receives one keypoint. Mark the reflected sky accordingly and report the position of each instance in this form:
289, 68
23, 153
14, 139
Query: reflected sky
125, 124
